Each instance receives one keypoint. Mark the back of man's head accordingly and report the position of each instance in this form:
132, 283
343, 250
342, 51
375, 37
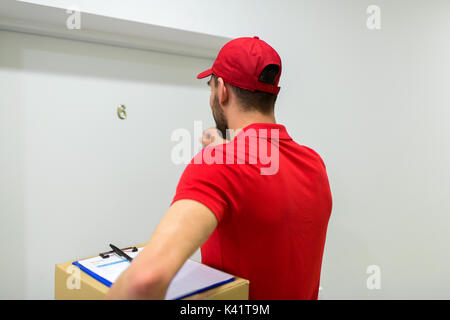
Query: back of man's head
252, 69
260, 101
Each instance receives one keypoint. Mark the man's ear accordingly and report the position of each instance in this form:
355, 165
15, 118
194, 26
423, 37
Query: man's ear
222, 91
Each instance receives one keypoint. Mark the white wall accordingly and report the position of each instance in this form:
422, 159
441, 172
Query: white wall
374, 104
74, 176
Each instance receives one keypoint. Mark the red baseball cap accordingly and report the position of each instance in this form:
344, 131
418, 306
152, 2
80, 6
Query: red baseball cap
241, 61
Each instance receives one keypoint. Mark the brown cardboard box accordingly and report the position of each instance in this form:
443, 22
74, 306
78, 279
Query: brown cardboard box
91, 289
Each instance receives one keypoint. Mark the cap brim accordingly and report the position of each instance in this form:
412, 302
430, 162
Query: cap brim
205, 74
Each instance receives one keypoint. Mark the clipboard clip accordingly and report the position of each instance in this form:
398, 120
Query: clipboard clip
105, 255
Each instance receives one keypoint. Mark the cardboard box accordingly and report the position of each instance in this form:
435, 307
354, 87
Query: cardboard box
68, 286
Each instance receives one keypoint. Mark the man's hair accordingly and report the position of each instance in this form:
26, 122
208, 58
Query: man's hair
263, 102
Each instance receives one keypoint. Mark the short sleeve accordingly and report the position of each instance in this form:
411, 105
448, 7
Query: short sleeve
207, 184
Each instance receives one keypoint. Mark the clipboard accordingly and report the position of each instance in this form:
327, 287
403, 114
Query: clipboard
103, 260
192, 278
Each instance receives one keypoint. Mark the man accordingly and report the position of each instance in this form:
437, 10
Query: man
258, 205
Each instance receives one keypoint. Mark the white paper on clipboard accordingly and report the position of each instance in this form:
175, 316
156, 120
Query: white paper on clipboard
193, 277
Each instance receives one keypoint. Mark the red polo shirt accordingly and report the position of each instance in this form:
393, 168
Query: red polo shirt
272, 200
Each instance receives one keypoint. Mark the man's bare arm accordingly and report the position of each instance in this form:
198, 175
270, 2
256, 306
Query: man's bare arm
183, 229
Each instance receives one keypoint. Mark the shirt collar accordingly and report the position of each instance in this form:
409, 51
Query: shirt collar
282, 132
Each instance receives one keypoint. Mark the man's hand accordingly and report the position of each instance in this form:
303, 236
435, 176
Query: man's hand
212, 137
183, 229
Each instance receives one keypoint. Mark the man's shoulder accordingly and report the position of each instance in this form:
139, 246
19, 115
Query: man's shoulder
311, 152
